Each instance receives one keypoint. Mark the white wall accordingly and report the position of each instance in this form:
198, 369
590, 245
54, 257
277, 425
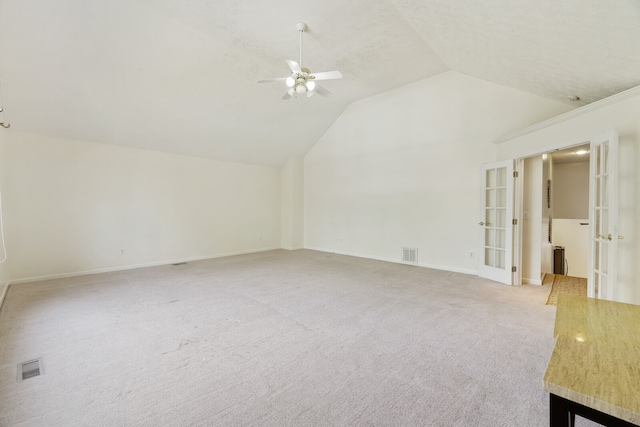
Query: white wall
532, 223
292, 191
403, 168
620, 112
4, 265
78, 206
537, 252
575, 239
570, 209
546, 247
571, 190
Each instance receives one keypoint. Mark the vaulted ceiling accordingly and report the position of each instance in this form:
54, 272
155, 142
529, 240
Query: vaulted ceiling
180, 75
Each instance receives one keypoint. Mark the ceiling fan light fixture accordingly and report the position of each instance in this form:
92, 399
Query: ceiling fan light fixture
300, 81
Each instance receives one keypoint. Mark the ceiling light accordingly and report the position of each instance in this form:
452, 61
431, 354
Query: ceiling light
581, 152
300, 79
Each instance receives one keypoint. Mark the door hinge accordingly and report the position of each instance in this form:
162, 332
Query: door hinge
515, 221
514, 269
515, 174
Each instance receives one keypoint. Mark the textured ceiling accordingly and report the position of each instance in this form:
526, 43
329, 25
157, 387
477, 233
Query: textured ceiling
180, 75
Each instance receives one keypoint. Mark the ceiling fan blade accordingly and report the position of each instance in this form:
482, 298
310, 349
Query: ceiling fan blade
321, 91
327, 75
272, 80
286, 96
295, 67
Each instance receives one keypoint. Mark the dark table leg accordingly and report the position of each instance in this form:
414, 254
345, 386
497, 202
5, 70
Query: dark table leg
562, 413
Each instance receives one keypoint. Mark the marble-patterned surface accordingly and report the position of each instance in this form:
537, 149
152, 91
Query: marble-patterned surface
596, 358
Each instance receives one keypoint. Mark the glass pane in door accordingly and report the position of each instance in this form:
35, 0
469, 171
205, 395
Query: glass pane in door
495, 217
603, 214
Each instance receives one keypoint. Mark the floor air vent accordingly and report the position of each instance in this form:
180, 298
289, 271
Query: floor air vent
410, 255
30, 369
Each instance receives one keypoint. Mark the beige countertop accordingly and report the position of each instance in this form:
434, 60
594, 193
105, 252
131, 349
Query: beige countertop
596, 359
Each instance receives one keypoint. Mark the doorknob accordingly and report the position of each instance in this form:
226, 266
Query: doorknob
481, 223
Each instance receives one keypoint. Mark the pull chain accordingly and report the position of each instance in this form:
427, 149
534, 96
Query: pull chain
3, 124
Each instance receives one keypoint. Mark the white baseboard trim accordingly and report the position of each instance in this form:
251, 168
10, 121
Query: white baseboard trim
529, 281
133, 266
451, 269
292, 248
396, 261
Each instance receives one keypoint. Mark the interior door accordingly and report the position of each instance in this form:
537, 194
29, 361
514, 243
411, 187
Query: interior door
496, 255
603, 216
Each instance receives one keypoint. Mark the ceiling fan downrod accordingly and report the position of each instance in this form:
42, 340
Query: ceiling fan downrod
302, 27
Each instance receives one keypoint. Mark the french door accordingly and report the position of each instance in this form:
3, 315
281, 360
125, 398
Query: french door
496, 255
603, 216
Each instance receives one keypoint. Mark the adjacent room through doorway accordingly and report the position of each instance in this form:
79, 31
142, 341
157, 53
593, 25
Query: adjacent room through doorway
555, 213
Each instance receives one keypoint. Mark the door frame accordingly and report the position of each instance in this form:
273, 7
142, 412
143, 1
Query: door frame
519, 194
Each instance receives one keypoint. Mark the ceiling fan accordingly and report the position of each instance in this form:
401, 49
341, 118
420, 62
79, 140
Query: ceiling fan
302, 81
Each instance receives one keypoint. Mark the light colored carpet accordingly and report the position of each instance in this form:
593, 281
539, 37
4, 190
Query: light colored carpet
566, 285
277, 338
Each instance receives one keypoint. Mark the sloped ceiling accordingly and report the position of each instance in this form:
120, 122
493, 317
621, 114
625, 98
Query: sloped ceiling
180, 75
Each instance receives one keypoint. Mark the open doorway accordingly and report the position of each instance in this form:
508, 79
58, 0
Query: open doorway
570, 211
555, 212
541, 213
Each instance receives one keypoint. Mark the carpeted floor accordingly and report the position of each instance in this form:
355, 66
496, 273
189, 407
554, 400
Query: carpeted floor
566, 285
278, 338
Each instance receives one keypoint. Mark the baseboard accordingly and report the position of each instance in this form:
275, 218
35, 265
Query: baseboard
133, 266
451, 269
200, 258
396, 261
529, 281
